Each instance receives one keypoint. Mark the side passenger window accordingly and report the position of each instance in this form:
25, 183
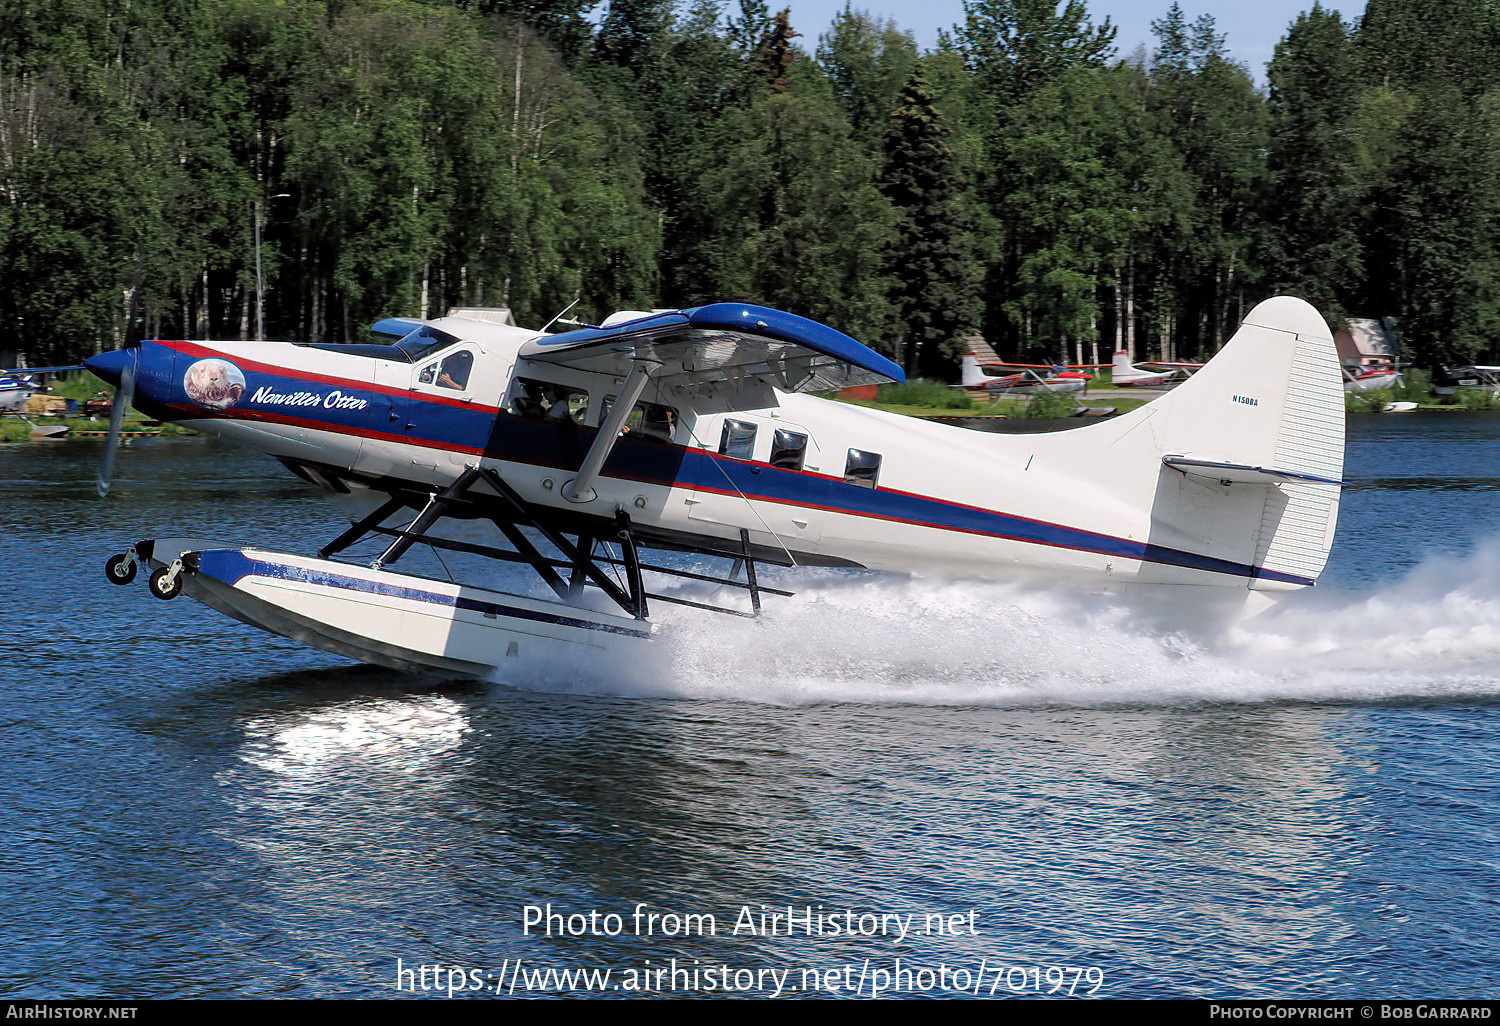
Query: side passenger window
863, 468
737, 439
788, 449
543, 400
651, 420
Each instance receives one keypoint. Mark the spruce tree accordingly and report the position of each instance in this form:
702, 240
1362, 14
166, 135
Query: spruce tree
930, 262
631, 32
773, 58
1314, 197
1015, 45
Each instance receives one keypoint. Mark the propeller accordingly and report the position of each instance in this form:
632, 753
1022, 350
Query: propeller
123, 397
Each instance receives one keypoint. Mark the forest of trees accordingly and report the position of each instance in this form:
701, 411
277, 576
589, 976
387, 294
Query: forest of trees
1022, 178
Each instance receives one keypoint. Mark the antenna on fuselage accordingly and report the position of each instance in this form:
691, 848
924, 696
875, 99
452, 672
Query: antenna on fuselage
564, 310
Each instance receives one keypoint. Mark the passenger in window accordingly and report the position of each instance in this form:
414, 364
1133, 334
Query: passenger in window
526, 403
558, 410
658, 422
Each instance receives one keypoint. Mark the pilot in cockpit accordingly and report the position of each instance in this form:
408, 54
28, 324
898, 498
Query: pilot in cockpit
454, 372
531, 400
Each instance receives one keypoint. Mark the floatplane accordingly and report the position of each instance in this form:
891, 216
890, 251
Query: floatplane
15, 389
701, 431
1472, 377
1370, 377
1124, 374
1020, 378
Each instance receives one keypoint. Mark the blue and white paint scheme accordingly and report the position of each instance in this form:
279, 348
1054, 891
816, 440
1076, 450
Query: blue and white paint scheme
699, 425
15, 389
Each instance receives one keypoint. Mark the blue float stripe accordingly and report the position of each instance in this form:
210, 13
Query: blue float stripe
231, 566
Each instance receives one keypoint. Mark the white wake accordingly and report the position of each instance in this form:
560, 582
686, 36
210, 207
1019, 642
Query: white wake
869, 639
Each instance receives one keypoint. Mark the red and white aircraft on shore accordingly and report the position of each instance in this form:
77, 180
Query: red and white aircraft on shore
1124, 374
1370, 377
1020, 378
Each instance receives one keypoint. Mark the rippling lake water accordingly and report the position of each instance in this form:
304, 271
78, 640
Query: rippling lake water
989, 788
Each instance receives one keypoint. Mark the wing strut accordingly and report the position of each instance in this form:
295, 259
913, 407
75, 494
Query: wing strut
581, 488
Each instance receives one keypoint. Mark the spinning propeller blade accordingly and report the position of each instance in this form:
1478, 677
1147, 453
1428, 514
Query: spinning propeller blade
122, 401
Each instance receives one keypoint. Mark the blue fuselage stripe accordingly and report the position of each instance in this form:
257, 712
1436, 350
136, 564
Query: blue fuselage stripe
510, 438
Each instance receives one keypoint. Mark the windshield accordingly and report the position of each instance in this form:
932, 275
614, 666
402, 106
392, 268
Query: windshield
424, 340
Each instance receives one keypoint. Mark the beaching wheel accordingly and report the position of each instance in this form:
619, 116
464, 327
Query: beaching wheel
165, 584
120, 569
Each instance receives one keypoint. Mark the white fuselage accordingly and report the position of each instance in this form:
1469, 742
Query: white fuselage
869, 488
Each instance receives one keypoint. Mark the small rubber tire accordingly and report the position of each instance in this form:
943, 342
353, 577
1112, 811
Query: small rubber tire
163, 587
120, 569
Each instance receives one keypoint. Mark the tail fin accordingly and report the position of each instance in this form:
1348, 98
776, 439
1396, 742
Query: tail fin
1240, 465
972, 374
1122, 370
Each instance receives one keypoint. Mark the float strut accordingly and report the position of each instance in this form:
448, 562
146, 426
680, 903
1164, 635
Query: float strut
435, 510
750, 571
632, 562
360, 527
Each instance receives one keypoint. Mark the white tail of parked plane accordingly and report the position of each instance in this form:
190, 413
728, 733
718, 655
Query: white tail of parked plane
1124, 373
1241, 464
973, 374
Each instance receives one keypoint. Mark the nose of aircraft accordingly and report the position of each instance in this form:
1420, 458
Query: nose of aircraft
108, 366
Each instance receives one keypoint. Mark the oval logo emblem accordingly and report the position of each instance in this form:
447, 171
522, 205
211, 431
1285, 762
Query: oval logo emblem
214, 383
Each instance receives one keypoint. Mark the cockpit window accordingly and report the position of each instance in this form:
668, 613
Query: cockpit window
454, 372
424, 341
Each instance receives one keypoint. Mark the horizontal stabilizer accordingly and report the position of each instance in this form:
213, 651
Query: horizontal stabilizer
722, 342
1239, 473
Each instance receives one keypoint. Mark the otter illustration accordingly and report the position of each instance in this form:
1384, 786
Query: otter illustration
214, 383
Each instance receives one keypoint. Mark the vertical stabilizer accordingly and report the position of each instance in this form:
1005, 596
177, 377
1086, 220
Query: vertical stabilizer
1239, 466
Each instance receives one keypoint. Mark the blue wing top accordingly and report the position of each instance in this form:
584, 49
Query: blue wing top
723, 341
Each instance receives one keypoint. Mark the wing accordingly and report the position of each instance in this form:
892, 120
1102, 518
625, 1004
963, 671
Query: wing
728, 355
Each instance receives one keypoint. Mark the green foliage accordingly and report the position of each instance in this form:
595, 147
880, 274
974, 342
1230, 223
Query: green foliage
1373, 401
1051, 405
1312, 217
1013, 46
866, 61
923, 392
632, 33
930, 261
14, 430
1217, 121
789, 171
404, 156
1478, 399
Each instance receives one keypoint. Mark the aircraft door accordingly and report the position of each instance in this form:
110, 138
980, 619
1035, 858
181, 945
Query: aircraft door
761, 481
440, 411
